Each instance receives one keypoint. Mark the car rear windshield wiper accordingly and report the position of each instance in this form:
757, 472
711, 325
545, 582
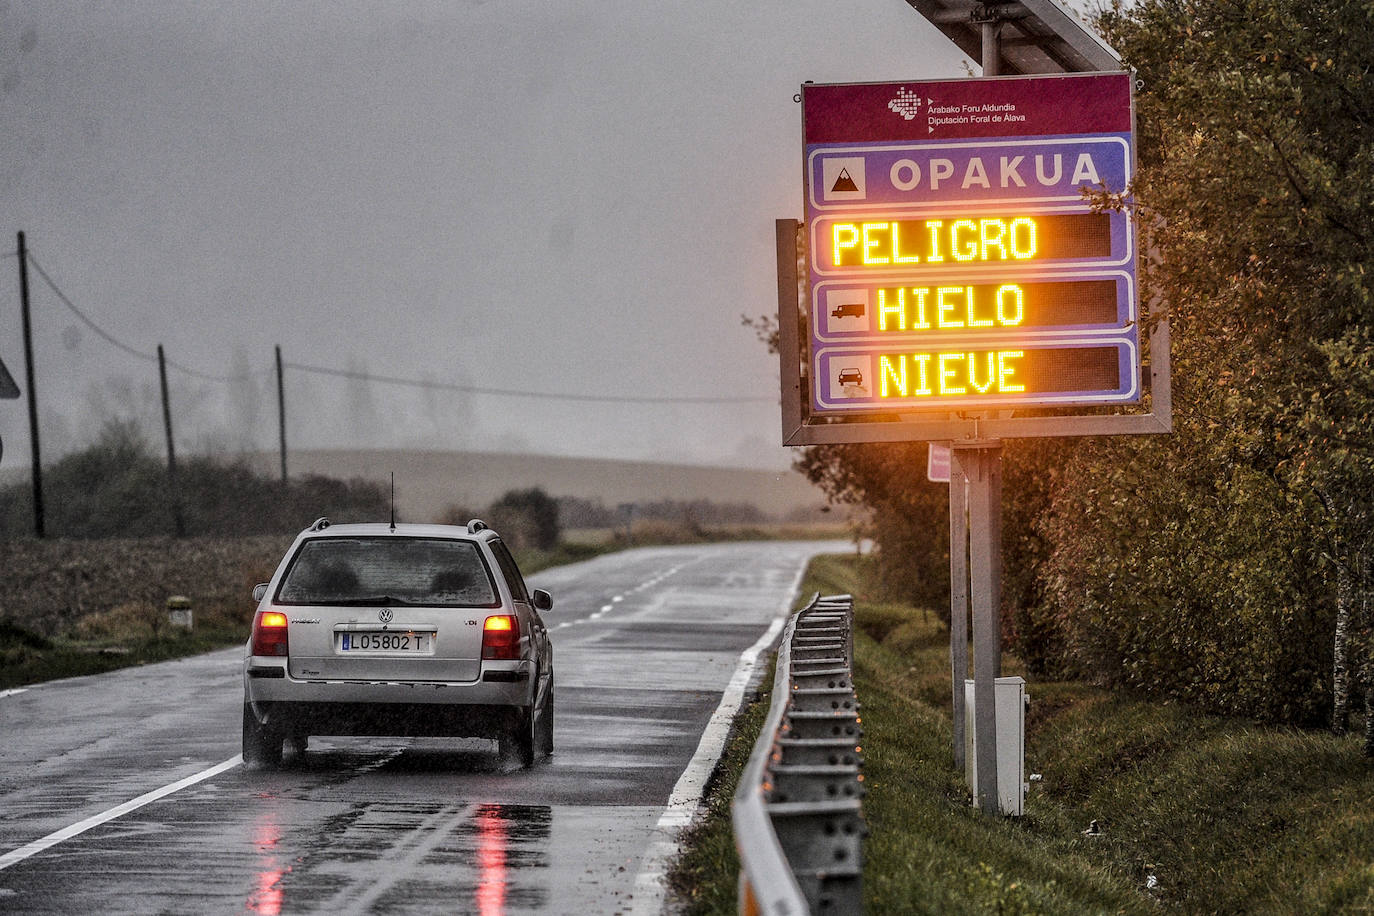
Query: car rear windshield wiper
372, 601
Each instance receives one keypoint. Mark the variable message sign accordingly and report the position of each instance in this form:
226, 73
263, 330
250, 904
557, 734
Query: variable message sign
954, 261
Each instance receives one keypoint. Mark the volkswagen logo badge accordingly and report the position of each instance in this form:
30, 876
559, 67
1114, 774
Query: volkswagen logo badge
385, 615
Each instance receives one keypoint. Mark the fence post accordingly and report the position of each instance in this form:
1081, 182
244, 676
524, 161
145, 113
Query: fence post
281, 413
178, 521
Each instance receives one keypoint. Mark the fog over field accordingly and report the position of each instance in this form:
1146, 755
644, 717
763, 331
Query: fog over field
429, 482
541, 223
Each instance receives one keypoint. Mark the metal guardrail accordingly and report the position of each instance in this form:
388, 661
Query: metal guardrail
797, 814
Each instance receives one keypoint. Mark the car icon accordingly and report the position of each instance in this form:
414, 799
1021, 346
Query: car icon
848, 310
851, 376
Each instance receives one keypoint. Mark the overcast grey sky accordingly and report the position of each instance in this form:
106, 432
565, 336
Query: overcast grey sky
571, 197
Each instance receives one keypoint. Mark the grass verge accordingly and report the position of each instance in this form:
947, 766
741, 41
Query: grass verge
131, 634
1199, 814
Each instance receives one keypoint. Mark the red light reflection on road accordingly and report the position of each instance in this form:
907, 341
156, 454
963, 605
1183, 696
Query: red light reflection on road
491, 861
267, 890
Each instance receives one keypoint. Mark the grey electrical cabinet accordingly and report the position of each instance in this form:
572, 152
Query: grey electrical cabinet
1011, 744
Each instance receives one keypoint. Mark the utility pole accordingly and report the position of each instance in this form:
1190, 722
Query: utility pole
36, 457
178, 521
281, 414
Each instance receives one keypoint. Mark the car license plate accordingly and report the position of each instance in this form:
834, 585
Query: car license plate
390, 642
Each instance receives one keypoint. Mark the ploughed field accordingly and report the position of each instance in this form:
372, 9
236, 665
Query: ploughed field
54, 587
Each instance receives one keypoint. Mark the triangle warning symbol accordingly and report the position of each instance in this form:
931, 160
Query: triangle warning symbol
844, 182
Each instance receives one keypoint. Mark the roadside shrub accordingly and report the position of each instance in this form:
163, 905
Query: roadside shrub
118, 488
1182, 594
908, 516
526, 518
114, 488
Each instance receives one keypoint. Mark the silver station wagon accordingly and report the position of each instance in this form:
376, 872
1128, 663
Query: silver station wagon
398, 630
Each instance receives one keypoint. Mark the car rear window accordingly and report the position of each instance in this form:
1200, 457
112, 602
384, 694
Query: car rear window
432, 572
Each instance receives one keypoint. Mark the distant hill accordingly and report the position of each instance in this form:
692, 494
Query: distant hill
429, 481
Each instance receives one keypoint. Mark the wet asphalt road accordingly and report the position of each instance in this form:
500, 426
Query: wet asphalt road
648, 648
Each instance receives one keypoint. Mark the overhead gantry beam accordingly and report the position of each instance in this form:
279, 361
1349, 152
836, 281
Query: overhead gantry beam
1037, 36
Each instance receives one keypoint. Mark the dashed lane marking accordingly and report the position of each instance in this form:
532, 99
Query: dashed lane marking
617, 599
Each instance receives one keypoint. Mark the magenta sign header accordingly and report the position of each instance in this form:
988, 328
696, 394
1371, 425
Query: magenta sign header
954, 260
1097, 103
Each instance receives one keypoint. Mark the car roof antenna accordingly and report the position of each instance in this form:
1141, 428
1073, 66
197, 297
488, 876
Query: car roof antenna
393, 500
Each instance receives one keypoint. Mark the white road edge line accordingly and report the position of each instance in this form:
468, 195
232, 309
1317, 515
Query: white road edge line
687, 793
10, 693
66, 833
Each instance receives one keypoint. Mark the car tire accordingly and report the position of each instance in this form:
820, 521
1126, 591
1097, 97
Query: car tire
520, 741
261, 744
546, 730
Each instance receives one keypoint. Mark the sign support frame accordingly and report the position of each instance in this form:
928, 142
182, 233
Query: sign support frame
974, 436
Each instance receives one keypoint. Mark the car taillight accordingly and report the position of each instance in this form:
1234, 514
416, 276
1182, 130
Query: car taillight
269, 633
501, 637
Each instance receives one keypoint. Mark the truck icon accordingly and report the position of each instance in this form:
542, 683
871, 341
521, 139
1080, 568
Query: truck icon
851, 376
848, 310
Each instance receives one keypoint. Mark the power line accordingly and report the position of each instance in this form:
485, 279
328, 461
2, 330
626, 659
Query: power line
121, 345
383, 379
101, 332
513, 393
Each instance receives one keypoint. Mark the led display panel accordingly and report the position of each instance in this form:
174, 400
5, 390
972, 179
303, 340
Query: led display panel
955, 260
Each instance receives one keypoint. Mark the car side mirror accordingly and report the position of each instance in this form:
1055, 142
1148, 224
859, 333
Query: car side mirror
259, 590
541, 600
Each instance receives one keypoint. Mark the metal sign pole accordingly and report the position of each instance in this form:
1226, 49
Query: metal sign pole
982, 464
975, 572
985, 552
958, 598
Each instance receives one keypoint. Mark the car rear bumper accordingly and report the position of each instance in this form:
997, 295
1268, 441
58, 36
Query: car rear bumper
499, 684
390, 719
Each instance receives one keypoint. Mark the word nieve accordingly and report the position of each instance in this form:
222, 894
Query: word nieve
907, 375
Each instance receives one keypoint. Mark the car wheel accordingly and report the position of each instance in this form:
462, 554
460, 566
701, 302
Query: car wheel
546, 744
261, 745
520, 741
